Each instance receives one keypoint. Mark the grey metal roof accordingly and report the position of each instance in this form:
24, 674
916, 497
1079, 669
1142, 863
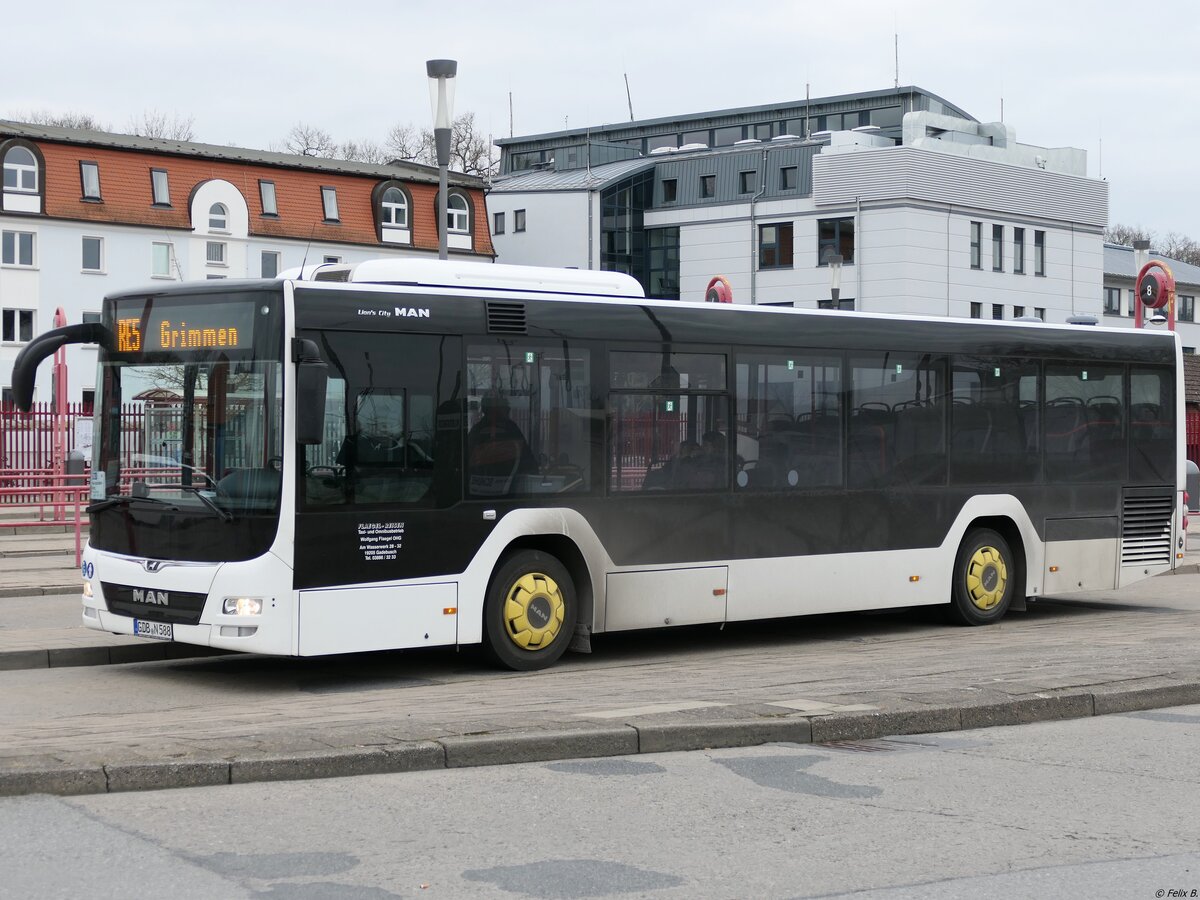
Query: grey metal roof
1118, 262
407, 170
598, 131
596, 178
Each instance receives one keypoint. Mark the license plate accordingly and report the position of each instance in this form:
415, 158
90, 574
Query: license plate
159, 631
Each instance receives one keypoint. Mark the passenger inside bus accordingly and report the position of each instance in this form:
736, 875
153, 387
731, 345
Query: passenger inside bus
497, 451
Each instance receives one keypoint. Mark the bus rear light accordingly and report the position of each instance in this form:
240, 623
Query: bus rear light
914, 578
242, 606
449, 610
1054, 568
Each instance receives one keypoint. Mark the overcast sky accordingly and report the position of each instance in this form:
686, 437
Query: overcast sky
1120, 80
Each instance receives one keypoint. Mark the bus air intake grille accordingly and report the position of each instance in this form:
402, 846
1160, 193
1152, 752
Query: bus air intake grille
1146, 527
153, 605
506, 318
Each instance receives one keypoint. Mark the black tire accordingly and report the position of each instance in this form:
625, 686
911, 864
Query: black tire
530, 611
984, 580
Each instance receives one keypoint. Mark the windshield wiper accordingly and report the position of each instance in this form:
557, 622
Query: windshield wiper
125, 499
226, 515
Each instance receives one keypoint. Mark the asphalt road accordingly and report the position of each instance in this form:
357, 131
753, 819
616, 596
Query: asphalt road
1099, 808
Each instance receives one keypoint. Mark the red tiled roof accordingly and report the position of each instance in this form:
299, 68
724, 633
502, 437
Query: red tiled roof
125, 189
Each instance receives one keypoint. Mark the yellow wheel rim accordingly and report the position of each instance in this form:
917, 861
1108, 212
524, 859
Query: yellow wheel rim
987, 577
533, 611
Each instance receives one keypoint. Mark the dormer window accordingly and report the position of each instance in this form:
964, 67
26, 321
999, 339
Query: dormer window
458, 217
394, 212
329, 204
89, 179
160, 187
218, 217
20, 171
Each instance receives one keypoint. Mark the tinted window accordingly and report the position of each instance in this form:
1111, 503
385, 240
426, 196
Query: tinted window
789, 420
897, 430
1084, 423
392, 422
530, 424
994, 421
669, 442
1151, 425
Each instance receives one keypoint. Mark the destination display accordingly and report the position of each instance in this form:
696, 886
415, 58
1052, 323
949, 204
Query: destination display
153, 327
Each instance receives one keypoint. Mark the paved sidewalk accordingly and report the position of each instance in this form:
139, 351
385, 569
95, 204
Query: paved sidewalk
227, 719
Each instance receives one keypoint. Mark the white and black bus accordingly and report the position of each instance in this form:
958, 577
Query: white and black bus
413, 453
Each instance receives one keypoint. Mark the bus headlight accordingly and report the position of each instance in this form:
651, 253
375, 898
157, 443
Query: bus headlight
243, 606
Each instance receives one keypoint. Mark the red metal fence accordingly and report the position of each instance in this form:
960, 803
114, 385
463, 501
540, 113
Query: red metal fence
1193, 435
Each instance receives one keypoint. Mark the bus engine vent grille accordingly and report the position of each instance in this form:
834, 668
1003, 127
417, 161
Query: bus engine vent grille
1146, 527
506, 318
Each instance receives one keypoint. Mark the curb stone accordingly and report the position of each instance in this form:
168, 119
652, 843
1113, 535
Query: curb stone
578, 743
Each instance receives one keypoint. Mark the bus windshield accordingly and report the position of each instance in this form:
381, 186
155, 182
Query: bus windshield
190, 422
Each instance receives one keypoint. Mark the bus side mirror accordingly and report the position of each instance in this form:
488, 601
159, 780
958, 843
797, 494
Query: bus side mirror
311, 380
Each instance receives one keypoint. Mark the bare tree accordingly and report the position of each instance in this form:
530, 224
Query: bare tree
155, 124
363, 151
1127, 234
81, 120
309, 140
470, 152
407, 143
1173, 245
1180, 247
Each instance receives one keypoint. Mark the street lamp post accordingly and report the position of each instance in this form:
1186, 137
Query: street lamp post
835, 278
441, 74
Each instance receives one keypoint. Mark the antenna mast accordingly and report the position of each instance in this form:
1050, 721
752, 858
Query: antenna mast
628, 96
897, 48
510, 117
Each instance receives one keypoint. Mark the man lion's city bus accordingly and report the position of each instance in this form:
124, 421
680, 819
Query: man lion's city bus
410, 454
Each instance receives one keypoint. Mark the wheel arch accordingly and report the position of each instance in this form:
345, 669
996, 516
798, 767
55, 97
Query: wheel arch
1007, 529
567, 552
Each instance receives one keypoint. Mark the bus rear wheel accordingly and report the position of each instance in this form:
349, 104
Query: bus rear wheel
984, 578
530, 611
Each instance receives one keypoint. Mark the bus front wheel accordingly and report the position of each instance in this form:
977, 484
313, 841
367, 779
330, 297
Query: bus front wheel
984, 578
530, 611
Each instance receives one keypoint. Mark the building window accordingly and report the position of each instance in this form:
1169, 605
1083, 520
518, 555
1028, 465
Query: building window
17, 248
20, 171
976, 245
519, 220
976, 310
997, 248
1190, 351
89, 179
18, 325
1019, 251
93, 254
775, 246
1018, 311
1040, 312
788, 178
1187, 308
329, 204
498, 223
747, 182
332, 260
670, 190
997, 310
266, 194
1131, 310
218, 217
270, 263
1039, 253
160, 187
708, 186
1112, 301
835, 236
215, 253
160, 259
88, 398
458, 219
394, 208
664, 262
90, 318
